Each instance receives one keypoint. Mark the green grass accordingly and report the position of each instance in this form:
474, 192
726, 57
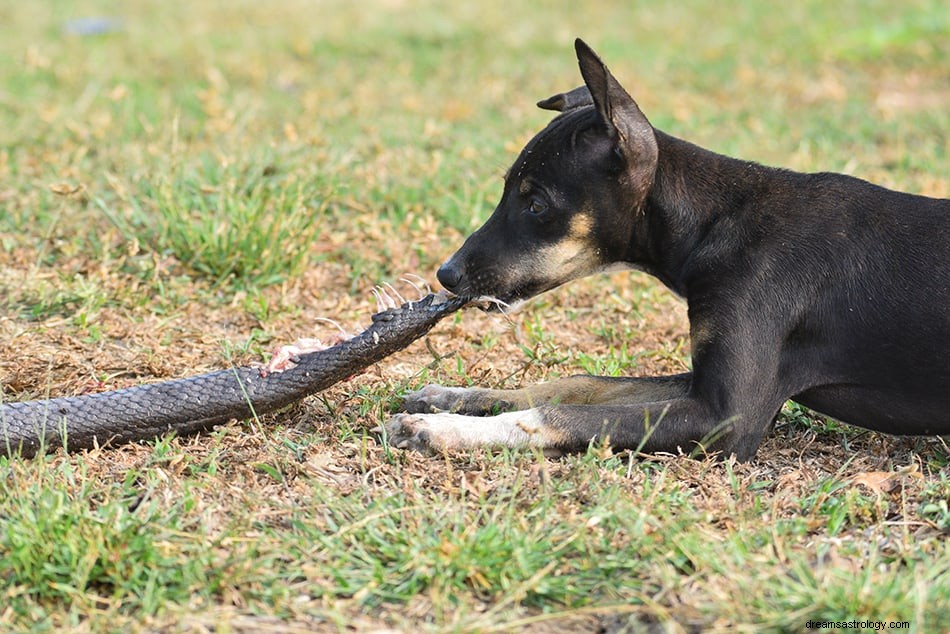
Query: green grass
210, 178
506, 543
246, 224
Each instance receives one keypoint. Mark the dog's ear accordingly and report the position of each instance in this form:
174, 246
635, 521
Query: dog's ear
564, 101
620, 113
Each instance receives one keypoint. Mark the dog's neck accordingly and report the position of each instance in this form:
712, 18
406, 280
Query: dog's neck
693, 188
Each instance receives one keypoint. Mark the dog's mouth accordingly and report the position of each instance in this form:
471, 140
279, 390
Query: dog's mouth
504, 303
483, 291
491, 304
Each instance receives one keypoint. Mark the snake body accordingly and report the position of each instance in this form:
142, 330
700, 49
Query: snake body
194, 404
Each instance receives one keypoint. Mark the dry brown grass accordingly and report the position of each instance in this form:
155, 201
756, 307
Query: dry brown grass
405, 120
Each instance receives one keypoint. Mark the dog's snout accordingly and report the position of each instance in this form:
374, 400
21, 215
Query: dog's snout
450, 275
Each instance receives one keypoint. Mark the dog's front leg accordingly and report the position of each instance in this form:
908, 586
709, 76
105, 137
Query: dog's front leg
445, 431
678, 425
579, 390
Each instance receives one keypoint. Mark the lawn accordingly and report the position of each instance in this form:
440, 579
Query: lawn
185, 185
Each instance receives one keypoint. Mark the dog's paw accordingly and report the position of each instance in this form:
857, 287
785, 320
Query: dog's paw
433, 433
436, 398
407, 431
472, 401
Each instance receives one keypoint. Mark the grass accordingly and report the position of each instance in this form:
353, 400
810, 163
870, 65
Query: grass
243, 224
202, 181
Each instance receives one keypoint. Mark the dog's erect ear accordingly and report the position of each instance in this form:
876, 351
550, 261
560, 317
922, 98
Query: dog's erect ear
616, 107
564, 101
619, 112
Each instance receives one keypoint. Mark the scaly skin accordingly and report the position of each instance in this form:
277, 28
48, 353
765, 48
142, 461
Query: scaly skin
187, 406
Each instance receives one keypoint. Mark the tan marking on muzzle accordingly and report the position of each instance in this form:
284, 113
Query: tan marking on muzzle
573, 257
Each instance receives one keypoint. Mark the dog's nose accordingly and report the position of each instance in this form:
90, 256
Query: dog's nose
449, 275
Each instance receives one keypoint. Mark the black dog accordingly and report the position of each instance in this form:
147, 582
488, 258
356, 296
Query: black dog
820, 288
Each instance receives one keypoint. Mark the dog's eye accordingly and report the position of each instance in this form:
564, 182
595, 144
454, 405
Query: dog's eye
537, 207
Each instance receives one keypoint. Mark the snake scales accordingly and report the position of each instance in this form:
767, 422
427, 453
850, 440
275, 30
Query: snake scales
194, 404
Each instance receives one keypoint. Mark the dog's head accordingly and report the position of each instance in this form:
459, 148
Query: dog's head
573, 200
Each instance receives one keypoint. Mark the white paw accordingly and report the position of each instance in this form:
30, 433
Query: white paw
445, 431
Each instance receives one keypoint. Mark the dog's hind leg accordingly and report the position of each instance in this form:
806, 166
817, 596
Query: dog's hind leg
573, 390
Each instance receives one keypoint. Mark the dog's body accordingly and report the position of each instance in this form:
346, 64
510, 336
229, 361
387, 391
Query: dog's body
820, 288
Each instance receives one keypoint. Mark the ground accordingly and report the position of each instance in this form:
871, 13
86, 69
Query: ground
187, 187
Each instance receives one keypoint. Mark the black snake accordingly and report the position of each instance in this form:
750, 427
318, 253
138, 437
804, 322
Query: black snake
194, 404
